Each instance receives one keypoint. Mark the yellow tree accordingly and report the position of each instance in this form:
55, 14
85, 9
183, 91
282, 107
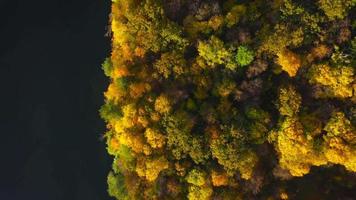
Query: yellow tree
340, 141
296, 152
150, 168
155, 138
289, 61
332, 81
162, 104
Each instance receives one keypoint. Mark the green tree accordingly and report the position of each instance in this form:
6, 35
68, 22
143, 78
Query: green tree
116, 186
107, 67
196, 177
234, 155
258, 126
110, 111
244, 56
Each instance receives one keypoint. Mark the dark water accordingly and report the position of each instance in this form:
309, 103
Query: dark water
51, 88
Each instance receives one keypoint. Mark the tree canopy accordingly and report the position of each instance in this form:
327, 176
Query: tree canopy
226, 99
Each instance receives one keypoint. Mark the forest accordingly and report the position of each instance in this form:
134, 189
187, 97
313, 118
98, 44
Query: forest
231, 99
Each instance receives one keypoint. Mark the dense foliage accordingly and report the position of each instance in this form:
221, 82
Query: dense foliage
229, 99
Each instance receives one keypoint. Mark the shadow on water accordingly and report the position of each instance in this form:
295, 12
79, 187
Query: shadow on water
52, 85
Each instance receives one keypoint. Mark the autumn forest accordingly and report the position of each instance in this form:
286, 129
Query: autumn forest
231, 99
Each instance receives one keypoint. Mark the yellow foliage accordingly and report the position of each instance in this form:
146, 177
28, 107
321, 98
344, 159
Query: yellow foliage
325, 75
147, 150
127, 53
337, 81
113, 93
335, 9
296, 152
119, 30
282, 37
154, 138
339, 125
199, 193
151, 167
119, 66
289, 61
284, 196
128, 120
338, 152
162, 104
199, 125
247, 164
341, 136
134, 141
289, 101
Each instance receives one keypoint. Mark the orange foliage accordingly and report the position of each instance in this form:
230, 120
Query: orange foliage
114, 144
138, 89
219, 179
319, 52
126, 52
139, 52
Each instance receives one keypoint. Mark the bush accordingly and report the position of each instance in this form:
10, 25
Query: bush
107, 67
